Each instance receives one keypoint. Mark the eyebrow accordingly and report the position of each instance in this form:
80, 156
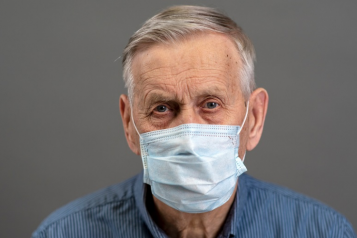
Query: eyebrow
157, 97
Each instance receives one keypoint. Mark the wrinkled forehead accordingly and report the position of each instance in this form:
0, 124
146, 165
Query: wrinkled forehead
210, 56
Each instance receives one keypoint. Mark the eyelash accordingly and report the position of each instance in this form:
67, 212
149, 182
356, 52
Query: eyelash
214, 100
153, 109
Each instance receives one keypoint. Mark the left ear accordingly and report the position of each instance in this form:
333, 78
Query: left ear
258, 104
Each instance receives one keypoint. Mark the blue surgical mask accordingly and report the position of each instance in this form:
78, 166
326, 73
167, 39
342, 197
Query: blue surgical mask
192, 168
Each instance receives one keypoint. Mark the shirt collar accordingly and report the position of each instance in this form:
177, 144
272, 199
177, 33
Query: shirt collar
230, 226
237, 208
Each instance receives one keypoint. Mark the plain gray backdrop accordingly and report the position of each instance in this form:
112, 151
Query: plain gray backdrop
61, 135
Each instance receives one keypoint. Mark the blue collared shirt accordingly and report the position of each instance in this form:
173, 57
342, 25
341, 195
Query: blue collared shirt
259, 210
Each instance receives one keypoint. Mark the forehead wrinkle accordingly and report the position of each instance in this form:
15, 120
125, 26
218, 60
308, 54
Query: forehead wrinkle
145, 84
176, 68
162, 70
221, 81
210, 72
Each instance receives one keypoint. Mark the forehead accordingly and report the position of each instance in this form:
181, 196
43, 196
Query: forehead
199, 57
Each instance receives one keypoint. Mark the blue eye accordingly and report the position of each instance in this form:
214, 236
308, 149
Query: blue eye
161, 108
211, 105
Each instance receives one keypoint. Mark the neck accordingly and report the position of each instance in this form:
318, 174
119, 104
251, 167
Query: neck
177, 224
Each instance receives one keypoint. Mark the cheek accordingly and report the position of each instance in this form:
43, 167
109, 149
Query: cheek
151, 123
218, 118
230, 116
160, 123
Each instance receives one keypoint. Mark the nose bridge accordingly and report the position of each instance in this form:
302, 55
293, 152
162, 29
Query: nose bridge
189, 114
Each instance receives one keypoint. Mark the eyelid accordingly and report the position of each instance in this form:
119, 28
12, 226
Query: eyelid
155, 108
211, 99
155, 105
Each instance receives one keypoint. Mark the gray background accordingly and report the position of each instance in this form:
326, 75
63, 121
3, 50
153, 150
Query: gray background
61, 135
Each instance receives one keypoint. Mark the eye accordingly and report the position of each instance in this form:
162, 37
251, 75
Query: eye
211, 105
161, 108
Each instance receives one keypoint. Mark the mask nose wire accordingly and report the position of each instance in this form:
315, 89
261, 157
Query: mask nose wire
132, 118
245, 118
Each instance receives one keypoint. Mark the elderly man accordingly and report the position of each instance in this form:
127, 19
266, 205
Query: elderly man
191, 113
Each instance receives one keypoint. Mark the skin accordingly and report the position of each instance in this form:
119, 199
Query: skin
195, 80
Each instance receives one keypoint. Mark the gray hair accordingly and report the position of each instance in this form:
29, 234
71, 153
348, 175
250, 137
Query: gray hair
177, 22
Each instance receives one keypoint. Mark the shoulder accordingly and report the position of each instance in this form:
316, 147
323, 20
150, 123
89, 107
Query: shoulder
96, 209
272, 190
281, 208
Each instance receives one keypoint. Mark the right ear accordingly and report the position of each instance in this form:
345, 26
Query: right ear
131, 135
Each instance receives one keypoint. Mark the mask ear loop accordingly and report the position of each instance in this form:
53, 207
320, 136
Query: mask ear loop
146, 178
245, 118
132, 118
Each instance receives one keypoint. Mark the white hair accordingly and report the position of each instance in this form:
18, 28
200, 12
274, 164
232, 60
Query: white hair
176, 23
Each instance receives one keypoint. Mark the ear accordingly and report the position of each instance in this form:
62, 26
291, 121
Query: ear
258, 104
129, 130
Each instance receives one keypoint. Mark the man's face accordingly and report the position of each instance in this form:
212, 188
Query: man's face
196, 80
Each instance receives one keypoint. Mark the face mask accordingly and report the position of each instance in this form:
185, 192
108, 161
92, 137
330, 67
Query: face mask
192, 168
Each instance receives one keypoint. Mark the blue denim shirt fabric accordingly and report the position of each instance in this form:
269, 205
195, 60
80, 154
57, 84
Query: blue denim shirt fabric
260, 210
